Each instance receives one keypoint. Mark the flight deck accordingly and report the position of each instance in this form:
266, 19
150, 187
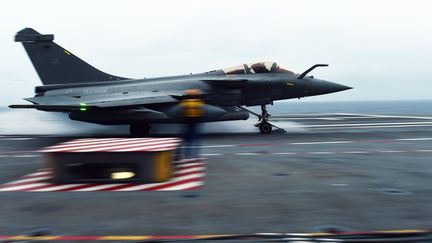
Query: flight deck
359, 172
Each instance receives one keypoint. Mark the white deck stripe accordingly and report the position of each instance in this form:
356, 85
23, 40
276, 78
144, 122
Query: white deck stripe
145, 186
56, 188
181, 178
365, 124
80, 140
183, 186
413, 139
210, 154
189, 164
141, 144
144, 149
37, 174
323, 142
94, 141
27, 186
322, 152
196, 169
26, 156
86, 148
334, 118
355, 152
74, 143
185, 171
187, 161
177, 181
109, 142
15, 139
246, 154
368, 127
41, 178
396, 116
155, 147
126, 147
98, 187
18, 156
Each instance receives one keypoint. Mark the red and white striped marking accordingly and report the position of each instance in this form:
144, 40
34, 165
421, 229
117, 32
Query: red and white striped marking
114, 145
188, 175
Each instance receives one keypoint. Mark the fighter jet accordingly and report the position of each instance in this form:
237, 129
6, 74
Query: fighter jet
87, 94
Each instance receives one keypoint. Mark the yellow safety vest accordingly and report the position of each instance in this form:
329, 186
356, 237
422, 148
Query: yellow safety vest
192, 108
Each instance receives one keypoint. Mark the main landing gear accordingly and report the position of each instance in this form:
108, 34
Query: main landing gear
139, 129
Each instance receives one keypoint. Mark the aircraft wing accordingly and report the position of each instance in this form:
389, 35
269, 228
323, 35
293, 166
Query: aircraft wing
68, 103
133, 101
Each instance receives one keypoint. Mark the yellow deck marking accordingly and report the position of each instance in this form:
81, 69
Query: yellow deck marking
67, 53
401, 231
26, 237
209, 236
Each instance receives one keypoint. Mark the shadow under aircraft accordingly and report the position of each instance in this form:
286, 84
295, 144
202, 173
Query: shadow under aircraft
87, 94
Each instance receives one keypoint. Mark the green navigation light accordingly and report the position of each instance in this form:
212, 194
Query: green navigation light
83, 107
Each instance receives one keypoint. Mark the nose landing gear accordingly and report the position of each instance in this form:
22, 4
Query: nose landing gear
263, 124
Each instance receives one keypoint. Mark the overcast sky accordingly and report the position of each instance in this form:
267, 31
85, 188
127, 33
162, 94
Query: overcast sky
381, 48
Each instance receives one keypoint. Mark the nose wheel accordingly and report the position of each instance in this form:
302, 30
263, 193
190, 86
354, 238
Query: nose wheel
265, 127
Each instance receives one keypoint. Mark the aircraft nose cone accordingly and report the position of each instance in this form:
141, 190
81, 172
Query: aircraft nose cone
319, 87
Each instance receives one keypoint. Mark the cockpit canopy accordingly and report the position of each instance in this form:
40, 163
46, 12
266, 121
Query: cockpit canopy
258, 67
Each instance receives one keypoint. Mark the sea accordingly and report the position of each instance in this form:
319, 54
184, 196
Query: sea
410, 107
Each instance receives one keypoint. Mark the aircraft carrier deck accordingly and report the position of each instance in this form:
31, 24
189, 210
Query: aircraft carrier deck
358, 172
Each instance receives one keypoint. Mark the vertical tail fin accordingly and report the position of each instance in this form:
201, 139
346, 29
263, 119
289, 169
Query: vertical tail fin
56, 65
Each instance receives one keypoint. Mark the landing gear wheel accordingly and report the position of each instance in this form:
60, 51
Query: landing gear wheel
139, 130
263, 124
265, 127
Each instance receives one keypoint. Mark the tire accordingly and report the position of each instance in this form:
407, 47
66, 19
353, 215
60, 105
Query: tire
265, 128
139, 130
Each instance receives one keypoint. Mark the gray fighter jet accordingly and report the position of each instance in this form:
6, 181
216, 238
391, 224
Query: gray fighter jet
87, 94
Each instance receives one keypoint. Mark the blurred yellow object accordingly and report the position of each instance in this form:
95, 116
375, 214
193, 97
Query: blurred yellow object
162, 166
122, 175
192, 108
